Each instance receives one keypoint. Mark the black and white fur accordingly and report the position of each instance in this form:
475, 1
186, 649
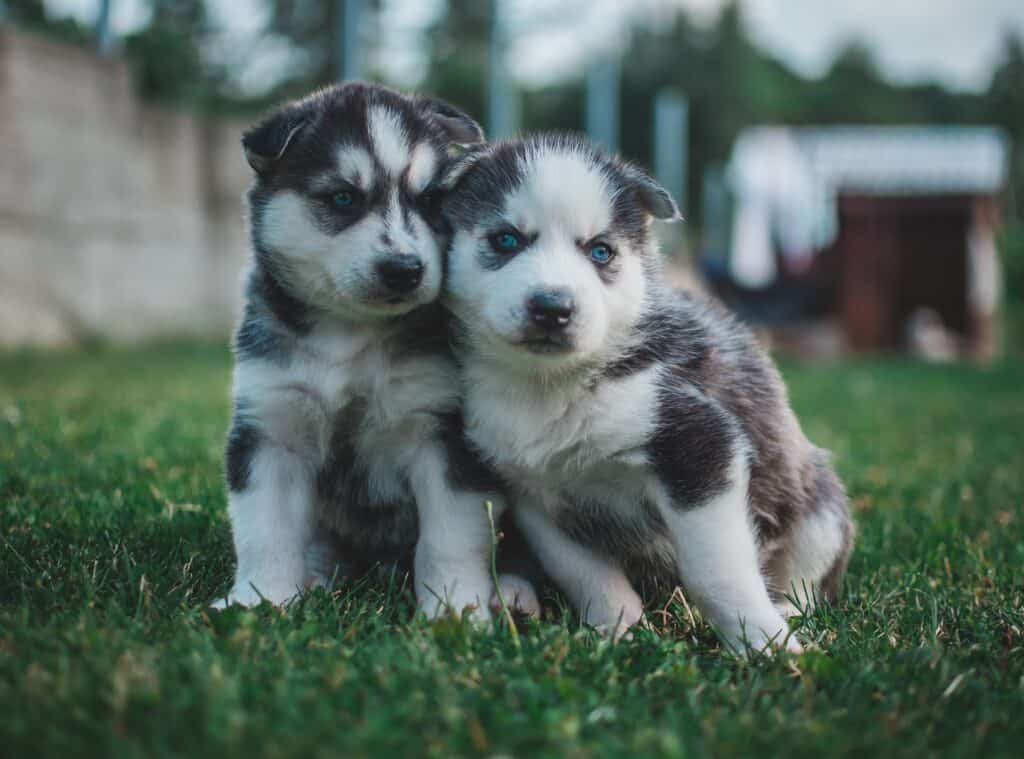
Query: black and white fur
644, 434
340, 452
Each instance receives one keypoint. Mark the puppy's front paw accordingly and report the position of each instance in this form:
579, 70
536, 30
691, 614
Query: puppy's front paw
238, 597
245, 594
787, 643
793, 645
443, 590
787, 609
620, 626
518, 593
617, 632
473, 611
767, 640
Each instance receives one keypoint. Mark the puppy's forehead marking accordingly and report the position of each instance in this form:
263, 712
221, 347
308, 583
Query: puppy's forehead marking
422, 167
355, 164
390, 142
561, 191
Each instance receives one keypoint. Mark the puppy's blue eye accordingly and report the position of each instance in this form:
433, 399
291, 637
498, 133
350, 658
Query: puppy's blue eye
343, 199
600, 253
506, 242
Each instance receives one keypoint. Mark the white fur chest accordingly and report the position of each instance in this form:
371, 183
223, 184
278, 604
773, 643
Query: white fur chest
296, 402
547, 440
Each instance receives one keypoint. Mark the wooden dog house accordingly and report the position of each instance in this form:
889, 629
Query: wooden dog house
886, 233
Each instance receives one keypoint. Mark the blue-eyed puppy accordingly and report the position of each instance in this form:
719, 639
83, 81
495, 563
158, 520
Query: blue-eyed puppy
345, 390
644, 434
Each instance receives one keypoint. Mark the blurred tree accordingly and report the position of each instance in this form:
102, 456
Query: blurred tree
854, 92
729, 81
732, 84
27, 12
167, 53
554, 108
174, 60
33, 15
1006, 92
457, 47
1005, 106
311, 28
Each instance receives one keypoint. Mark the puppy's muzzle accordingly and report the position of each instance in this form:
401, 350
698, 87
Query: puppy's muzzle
550, 311
549, 317
400, 273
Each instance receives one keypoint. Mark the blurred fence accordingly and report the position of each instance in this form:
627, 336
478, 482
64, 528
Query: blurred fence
118, 219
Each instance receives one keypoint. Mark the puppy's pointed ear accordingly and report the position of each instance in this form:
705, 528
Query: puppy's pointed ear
265, 143
655, 199
458, 127
460, 163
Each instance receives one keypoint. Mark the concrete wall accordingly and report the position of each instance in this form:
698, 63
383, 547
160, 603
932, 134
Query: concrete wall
117, 219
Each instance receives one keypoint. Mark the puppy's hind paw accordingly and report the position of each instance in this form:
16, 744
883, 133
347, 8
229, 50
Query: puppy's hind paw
518, 593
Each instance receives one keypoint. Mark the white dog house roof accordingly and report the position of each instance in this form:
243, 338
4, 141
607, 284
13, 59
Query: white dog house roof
907, 160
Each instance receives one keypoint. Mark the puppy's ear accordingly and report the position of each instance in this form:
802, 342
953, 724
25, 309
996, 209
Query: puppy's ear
460, 164
458, 127
655, 199
265, 143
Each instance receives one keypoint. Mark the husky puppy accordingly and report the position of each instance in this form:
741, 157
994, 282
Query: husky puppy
340, 451
645, 435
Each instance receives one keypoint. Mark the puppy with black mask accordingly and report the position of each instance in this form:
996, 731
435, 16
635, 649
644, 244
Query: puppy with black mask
645, 436
345, 390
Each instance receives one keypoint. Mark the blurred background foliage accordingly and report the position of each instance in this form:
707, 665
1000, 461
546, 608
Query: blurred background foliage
179, 57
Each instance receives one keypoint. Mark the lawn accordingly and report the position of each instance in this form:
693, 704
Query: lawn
113, 538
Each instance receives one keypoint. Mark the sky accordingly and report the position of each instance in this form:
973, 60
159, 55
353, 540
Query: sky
955, 42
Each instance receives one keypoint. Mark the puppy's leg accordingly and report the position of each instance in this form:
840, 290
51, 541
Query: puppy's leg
272, 525
519, 571
719, 566
323, 559
809, 565
452, 565
599, 590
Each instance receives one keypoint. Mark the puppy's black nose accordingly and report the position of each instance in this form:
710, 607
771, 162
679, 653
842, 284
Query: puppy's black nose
402, 272
551, 309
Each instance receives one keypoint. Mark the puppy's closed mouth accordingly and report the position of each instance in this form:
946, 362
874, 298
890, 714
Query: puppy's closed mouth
546, 344
395, 299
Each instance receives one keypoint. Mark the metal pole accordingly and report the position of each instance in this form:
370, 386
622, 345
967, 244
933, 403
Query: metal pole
347, 35
602, 102
104, 40
671, 122
502, 98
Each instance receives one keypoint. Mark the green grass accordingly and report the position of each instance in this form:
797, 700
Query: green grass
113, 538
